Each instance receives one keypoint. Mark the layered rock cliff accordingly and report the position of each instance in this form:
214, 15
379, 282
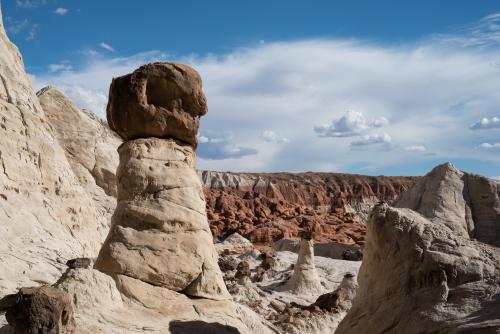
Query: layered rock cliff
270, 206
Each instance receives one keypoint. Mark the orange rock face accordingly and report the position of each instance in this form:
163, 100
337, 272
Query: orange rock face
267, 207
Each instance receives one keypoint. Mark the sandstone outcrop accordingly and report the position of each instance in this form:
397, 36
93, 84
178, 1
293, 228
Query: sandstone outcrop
163, 100
419, 276
46, 216
305, 279
39, 310
267, 207
468, 204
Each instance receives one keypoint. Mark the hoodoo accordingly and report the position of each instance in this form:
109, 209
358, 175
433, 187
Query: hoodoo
160, 232
305, 279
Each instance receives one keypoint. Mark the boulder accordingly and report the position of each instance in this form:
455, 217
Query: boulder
44, 310
163, 100
418, 276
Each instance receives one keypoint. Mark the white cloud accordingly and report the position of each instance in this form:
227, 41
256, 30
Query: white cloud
15, 27
490, 146
415, 148
30, 4
221, 149
106, 46
486, 123
437, 91
61, 11
373, 139
272, 137
352, 123
63, 66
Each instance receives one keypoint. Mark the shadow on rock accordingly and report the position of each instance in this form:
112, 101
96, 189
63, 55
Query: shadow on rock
200, 327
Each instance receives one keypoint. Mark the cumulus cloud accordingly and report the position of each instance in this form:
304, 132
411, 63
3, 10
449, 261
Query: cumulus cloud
351, 124
291, 87
486, 123
106, 46
221, 149
272, 137
373, 139
61, 11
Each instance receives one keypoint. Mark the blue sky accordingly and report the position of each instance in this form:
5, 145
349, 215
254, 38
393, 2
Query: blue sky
372, 87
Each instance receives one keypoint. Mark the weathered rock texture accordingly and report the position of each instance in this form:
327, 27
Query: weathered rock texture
90, 146
305, 279
270, 206
163, 100
46, 216
419, 276
160, 232
468, 204
44, 310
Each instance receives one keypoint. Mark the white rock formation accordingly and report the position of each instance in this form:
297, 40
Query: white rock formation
305, 279
466, 203
46, 216
418, 276
160, 232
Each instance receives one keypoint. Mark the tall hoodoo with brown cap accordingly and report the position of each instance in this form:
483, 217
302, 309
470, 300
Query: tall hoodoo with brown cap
159, 232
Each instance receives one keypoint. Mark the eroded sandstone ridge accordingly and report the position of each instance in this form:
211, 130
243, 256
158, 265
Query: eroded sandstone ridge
267, 207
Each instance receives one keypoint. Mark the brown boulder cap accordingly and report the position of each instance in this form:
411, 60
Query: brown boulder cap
163, 100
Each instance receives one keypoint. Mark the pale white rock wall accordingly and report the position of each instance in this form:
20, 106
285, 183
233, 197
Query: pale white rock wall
46, 216
468, 204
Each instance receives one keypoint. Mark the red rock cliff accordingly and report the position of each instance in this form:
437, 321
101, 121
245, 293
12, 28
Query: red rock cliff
267, 207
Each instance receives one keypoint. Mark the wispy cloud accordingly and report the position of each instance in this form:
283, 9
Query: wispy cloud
63, 66
106, 46
484, 33
61, 11
486, 123
374, 139
415, 148
16, 26
30, 4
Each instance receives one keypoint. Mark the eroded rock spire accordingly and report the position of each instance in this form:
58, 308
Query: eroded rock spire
305, 279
